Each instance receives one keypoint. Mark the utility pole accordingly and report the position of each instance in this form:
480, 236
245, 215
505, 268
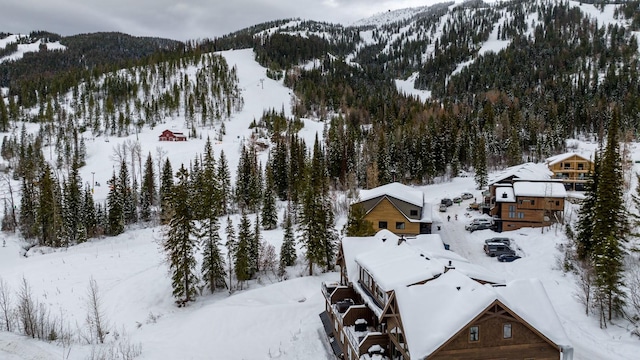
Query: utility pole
93, 182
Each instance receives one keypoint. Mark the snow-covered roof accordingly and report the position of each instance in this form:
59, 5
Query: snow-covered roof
562, 157
394, 265
396, 190
466, 299
398, 264
539, 189
526, 171
505, 194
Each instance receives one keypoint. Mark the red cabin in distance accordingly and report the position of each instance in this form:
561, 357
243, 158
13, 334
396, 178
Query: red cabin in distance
169, 135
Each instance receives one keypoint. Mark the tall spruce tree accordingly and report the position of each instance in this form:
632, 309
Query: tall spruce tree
75, 229
269, 211
586, 215
611, 227
231, 245
356, 224
317, 232
115, 208
288, 254
209, 199
224, 178
49, 210
166, 189
148, 190
180, 244
130, 212
254, 247
480, 163
242, 260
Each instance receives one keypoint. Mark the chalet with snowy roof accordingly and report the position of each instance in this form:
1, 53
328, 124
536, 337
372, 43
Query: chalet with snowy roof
527, 171
406, 299
572, 168
398, 208
169, 135
527, 204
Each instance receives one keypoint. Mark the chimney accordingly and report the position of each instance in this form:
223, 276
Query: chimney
504, 195
449, 267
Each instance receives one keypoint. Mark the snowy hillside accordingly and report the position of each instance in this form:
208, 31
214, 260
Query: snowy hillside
271, 319
25, 48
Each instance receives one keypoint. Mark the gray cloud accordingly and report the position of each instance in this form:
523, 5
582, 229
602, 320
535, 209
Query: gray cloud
181, 19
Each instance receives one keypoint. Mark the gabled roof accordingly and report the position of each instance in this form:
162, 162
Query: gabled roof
396, 190
539, 189
526, 171
562, 157
394, 264
465, 299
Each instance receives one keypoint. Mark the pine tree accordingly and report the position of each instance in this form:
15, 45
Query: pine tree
148, 190
28, 212
480, 163
212, 261
231, 245
115, 208
242, 261
179, 243
4, 116
611, 227
224, 178
130, 212
49, 210
254, 247
356, 224
586, 215
288, 254
166, 189
317, 233
73, 207
90, 218
269, 212
209, 199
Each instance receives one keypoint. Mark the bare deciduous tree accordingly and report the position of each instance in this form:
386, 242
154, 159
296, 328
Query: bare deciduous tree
96, 322
6, 312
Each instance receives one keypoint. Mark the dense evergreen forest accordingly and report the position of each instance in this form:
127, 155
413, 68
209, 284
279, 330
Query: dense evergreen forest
560, 73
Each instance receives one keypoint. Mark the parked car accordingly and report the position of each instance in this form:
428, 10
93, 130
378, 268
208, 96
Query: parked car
494, 249
467, 196
480, 226
443, 207
508, 257
474, 206
457, 200
446, 202
478, 221
503, 240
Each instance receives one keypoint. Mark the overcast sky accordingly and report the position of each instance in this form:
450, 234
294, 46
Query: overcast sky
179, 19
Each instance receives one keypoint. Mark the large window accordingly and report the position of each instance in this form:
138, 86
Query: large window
506, 331
474, 333
520, 215
382, 224
512, 211
399, 225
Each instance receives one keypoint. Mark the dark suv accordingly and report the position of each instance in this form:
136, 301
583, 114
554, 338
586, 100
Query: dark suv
446, 201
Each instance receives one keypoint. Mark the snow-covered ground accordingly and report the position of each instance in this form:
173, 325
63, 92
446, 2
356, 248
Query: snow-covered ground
270, 319
25, 48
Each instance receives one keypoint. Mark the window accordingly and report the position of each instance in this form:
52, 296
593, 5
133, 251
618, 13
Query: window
533, 202
399, 225
512, 211
506, 331
557, 203
580, 166
382, 224
474, 333
413, 212
520, 215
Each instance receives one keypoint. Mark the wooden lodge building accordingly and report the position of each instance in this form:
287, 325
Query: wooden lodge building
574, 170
169, 135
524, 196
401, 299
398, 208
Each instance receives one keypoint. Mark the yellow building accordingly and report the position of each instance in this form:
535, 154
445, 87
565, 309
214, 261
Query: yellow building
573, 169
399, 208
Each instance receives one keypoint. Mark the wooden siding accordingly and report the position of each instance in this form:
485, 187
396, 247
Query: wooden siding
386, 211
524, 342
573, 170
533, 210
403, 206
